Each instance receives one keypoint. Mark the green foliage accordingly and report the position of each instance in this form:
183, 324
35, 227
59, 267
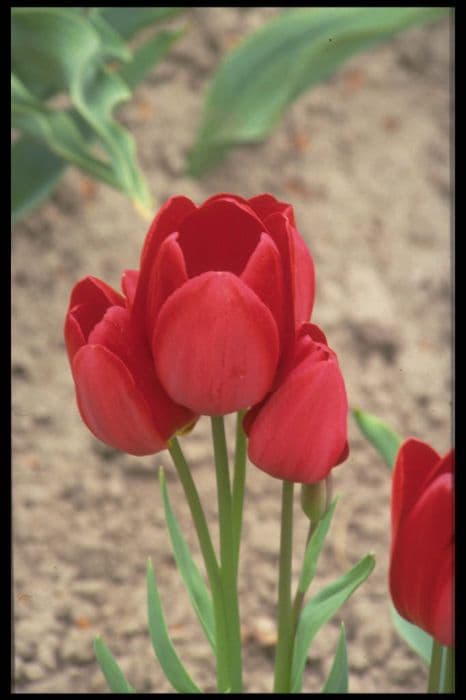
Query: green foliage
337, 681
314, 549
258, 80
80, 58
161, 642
385, 440
320, 609
196, 587
111, 670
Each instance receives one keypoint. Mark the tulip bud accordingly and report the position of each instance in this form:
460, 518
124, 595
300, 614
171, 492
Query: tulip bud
315, 499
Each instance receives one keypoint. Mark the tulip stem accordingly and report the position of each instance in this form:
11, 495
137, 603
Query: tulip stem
284, 651
227, 553
435, 668
210, 561
449, 680
238, 486
299, 596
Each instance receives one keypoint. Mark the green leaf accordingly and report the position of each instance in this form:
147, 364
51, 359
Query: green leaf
127, 21
161, 642
258, 80
414, 636
314, 548
148, 55
35, 171
385, 440
337, 681
198, 592
320, 609
111, 670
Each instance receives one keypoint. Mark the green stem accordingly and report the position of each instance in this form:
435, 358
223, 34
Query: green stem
435, 668
284, 651
227, 553
210, 561
299, 596
449, 681
238, 485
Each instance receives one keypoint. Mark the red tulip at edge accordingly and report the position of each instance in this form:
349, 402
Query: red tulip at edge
299, 432
203, 327
422, 544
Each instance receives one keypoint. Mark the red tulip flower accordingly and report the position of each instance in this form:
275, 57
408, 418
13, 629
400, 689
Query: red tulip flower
221, 291
300, 431
422, 546
203, 326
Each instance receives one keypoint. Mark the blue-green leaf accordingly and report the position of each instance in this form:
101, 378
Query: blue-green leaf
337, 681
414, 636
110, 668
161, 642
127, 21
385, 440
258, 80
35, 171
320, 609
147, 56
314, 548
198, 592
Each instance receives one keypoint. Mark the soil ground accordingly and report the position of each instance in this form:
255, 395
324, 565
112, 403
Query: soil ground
365, 160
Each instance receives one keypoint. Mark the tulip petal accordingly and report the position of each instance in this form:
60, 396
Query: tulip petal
264, 274
266, 204
89, 301
169, 273
111, 405
422, 545
129, 283
220, 235
215, 345
300, 431
167, 221
414, 460
119, 334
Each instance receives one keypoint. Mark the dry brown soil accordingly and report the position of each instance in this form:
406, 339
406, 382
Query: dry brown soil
365, 159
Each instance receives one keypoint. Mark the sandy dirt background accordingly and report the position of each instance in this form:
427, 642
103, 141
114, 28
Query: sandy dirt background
365, 159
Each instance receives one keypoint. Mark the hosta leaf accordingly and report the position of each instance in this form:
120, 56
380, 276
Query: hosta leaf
35, 171
198, 592
385, 440
320, 609
110, 668
260, 78
337, 681
161, 642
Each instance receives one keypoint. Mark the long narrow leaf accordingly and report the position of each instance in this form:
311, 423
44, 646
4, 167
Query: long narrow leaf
258, 80
127, 21
314, 549
337, 681
417, 639
161, 642
147, 56
385, 440
110, 668
320, 609
35, 171
197, 590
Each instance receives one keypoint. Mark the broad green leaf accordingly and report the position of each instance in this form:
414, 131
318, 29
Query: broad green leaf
337, 681
259, 79
148, 55
127, 21
198, 592
58, 130
35, 171
110, 668
385, 440
161, 642
314, 549
414, 636
320, 609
